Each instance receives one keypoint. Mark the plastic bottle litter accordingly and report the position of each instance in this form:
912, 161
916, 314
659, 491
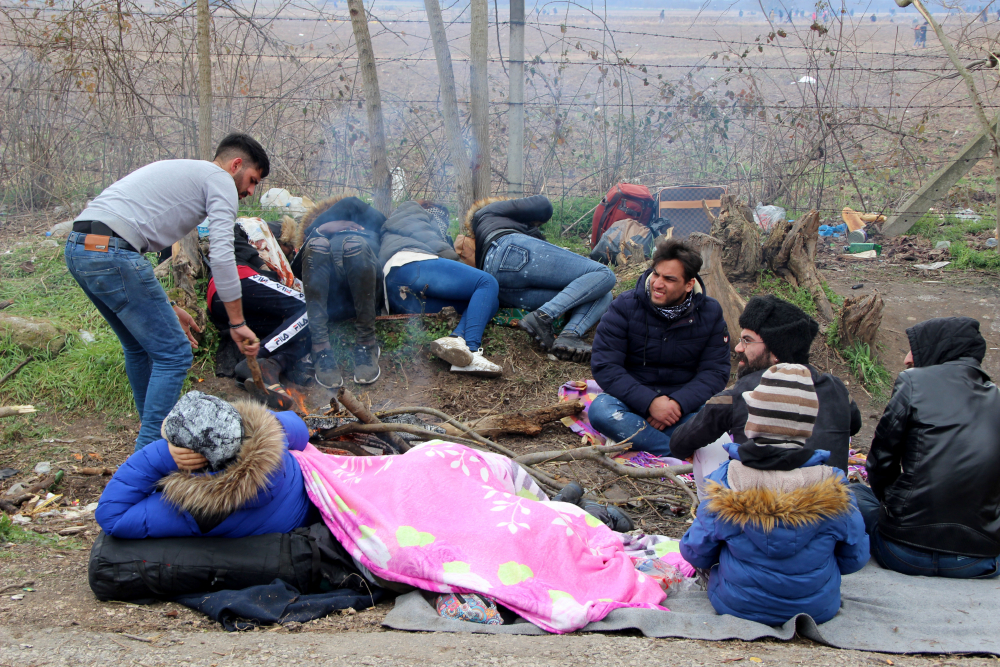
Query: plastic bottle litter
203, 231
991, 243
857, 236
281, 198
864, 247
62, 229
43, 468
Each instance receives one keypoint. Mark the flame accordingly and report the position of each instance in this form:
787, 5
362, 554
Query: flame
299, 399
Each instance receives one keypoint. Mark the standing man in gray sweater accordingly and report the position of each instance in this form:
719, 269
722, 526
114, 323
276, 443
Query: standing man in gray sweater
148, 210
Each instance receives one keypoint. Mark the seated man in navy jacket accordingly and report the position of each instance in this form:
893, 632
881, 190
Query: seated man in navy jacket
660, 352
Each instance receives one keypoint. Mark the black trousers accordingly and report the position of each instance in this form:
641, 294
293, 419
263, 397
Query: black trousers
342, 279
275, 313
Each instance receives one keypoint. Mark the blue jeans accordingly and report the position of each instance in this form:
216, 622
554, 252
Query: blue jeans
158, 356
536, 275
614, 419
433, 284
911, 560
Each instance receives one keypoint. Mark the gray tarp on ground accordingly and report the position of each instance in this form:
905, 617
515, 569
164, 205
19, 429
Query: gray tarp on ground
882, 611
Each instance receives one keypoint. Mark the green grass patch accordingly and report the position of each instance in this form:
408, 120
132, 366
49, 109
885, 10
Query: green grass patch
964, 257
868, 370
565, 212
12, 532
949, 228
772, 284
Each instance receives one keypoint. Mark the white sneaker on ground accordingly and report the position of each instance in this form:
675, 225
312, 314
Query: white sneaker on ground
452, 349
480, 366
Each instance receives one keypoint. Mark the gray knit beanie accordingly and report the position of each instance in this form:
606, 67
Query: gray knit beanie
207, 425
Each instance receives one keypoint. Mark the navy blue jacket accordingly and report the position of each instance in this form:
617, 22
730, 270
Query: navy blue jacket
638, 355
261, 492
774, 554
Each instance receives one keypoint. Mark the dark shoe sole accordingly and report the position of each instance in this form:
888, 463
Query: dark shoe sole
377, 375
536, 330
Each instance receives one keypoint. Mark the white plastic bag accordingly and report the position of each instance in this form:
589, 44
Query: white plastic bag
767, 217
281, 198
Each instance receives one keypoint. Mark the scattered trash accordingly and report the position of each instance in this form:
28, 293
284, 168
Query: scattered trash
828, 230
19, 596
49, 243
203, 231
991, 243
15, 490
804, 79
967, 214
91, 507
858, 286
857, 236
20, 519
856, 248
942, 244
767, 217
931, 267
87, 337
43, 468
62, 229
282, 199
8, 472
864, 254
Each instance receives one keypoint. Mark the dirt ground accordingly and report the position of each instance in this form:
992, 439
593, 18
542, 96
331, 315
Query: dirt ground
62, 622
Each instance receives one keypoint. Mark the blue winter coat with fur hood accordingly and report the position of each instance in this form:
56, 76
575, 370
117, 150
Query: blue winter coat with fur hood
261, 492
777, 552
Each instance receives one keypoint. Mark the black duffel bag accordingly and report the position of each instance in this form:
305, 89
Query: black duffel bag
309, 559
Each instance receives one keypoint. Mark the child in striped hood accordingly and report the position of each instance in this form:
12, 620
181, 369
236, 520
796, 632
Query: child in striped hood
779, 527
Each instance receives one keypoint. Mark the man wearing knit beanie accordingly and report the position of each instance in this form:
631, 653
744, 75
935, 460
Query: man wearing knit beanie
773, 331
788, 522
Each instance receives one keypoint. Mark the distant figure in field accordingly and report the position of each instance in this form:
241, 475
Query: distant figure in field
920, 36
663, 16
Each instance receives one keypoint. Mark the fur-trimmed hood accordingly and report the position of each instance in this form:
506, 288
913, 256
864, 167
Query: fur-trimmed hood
321, 207
467, 225
220, 494
762, 508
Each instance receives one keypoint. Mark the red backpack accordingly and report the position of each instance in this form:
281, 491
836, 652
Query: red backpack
622, 201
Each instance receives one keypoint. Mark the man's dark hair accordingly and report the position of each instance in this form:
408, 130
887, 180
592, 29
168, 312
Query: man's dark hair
689, 258
250, 149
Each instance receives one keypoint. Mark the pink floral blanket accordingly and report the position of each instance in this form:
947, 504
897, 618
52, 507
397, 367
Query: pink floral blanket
450, 519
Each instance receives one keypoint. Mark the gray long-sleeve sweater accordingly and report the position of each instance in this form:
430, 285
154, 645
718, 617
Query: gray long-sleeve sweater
157, 205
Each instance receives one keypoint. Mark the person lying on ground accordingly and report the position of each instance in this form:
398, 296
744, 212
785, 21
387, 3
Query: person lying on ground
273, 308
933, 508
148, 210
774, 331
222, 470
779, 527
340, 272
423, 275
536, 275
660, 352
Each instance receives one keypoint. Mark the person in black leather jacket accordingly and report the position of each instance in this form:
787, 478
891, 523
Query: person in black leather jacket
933, 508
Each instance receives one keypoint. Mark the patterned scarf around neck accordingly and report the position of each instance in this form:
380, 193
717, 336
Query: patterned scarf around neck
673, 312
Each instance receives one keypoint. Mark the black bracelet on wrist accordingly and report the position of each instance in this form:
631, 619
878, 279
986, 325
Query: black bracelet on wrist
237, 325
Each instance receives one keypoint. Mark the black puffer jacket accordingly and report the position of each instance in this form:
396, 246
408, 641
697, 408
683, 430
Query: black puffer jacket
340, 209
410, 227
839, 418
491, 219
935, 459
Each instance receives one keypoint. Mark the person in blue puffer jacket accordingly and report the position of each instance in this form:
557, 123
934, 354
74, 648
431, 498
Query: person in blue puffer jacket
779, 527
222, 470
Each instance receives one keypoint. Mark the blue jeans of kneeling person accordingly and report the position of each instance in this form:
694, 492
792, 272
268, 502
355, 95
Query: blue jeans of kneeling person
913, 560
616, 420
536, 275
122, 287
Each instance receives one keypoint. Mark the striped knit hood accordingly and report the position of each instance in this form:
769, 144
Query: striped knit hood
781, 412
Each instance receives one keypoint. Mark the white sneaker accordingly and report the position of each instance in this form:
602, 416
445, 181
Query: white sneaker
480, 366
452, 349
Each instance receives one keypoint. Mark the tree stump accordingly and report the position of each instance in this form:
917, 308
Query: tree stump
861, 319
790, 252
716, 283
740, 238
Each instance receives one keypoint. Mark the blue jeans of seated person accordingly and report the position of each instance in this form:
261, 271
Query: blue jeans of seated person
912, 560
536, 275
121, 284
431, 285
614, 419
